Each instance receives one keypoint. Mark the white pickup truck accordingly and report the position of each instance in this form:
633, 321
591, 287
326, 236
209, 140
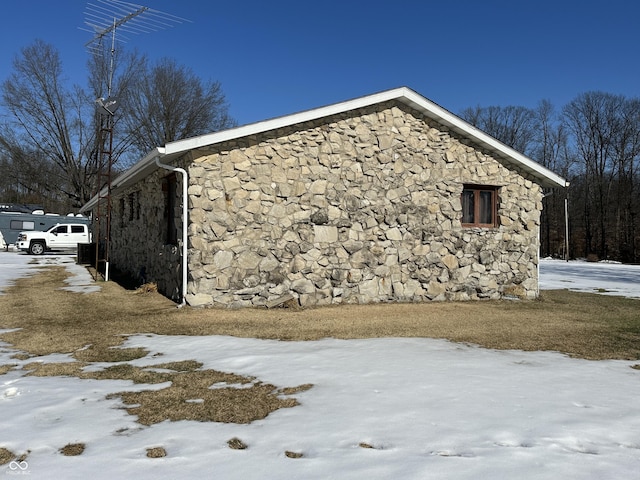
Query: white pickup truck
63, 236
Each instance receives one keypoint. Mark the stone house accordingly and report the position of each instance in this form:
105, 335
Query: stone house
383, 198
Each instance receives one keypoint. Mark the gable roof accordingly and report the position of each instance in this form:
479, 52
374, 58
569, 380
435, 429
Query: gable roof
404, 95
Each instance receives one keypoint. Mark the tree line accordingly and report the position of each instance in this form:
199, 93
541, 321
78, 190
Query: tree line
51, 141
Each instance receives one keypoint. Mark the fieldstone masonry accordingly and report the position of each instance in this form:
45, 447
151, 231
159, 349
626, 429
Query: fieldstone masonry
361, 207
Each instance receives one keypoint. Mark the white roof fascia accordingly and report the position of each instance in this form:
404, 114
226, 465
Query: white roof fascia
447, 118
136, 170
141, 165
403, 94
279, 122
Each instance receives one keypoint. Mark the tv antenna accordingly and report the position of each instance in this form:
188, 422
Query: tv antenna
105, 18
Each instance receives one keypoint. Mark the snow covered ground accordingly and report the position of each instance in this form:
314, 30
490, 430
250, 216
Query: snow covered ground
431, 409
602, 277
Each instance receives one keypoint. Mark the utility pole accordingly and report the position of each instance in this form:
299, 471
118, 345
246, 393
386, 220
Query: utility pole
106, 18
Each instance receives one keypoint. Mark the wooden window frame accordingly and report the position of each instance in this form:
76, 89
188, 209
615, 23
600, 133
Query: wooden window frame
477, 190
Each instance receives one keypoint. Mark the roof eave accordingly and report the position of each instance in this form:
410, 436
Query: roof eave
405, 95
139, 170
544, 176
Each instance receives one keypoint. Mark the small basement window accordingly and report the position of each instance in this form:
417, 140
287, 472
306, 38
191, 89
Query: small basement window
480, 206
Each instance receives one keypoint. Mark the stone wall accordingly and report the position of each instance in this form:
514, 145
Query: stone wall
357, 208
139, 250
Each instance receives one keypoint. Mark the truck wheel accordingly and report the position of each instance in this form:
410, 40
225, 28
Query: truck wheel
36, 248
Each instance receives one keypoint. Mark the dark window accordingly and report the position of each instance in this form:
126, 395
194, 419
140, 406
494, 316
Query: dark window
132, 205
77, 229
479, 206
61, 229
169, 188
22, 225
122, 212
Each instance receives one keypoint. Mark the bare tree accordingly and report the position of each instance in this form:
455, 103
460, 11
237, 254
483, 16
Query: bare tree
606, 131
593, 119
27, 177
626, 153
514, 126
167, 102
47, 122
51, 141
551, 150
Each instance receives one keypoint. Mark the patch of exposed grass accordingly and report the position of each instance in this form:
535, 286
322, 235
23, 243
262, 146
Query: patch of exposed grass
291, 454
6, 456
190, 397
125, 371
182, 366
7, 368
21, 356
97, 353
294, 390
236, 444
147, 288
67, 369
72, 449
66, 322
156, 452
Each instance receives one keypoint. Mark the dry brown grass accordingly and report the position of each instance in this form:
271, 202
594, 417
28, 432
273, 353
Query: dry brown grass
92, 326
189, 397
156, 452
73, 449
291, 454
99, 353
236, 444
88, 325
6, 456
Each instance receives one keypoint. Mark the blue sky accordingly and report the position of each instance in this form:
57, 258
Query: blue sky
283, 56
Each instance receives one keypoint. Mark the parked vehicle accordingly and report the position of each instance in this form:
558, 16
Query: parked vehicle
14, 220
63, 236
